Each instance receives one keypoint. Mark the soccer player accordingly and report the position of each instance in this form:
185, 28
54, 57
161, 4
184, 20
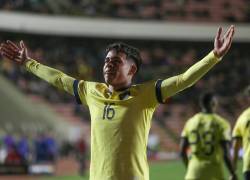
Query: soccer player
120, 111
207, 135
241, 136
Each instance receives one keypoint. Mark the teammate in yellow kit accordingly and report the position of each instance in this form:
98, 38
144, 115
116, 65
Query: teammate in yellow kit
241, 136
120, 111
208, 137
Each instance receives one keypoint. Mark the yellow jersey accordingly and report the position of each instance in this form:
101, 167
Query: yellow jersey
242, 130
120, 120
120, 123
204, 133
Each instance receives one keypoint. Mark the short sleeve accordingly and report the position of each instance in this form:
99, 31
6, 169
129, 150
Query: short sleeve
80, 89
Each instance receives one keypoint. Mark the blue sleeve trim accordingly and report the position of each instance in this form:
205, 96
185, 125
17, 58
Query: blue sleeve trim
237, 137
75, 87
158, 91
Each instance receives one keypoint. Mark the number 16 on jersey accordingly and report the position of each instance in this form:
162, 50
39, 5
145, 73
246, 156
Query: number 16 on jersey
108, 111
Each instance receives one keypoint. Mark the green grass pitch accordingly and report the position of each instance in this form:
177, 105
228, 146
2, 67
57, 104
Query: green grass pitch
172, 170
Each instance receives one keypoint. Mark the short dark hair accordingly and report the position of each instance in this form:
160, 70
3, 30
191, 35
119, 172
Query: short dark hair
130, 51
206, 99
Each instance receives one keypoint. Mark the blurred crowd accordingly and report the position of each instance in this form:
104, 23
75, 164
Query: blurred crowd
44, 148
83, 58
169, 10
21, 149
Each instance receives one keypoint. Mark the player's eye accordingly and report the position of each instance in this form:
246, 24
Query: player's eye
117, 60
106, 60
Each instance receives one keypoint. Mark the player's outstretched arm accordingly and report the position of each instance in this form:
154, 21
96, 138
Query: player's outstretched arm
19, 55
222, 44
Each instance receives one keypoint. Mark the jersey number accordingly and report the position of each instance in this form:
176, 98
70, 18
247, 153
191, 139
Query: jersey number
207, 138
108, 111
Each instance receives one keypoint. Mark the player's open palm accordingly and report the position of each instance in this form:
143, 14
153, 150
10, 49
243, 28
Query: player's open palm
223, 43
14, 52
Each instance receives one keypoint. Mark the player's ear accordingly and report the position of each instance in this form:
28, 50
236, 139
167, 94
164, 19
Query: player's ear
132, 70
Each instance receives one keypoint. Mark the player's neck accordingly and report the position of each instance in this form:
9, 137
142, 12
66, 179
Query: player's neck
119, 87
207, 110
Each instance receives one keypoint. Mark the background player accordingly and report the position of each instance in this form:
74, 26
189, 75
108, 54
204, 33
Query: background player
120, 112
208, 137
241, 135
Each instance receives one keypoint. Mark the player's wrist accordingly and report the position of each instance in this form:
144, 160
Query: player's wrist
217, 55
26, 60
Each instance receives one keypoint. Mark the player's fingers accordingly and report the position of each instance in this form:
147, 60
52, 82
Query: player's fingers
228, 32
9, 47
1, 46
25, 51
13, 45
229, 39
218, 35
226, 46
22, 44
229, 42
231, 34
7, 51
4, 45
7, 55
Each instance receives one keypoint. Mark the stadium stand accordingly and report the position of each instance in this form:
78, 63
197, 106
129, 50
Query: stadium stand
160, 60
166, 10
82, 57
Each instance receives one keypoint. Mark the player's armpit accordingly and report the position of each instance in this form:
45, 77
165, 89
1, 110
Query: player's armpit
51, 75
178, 83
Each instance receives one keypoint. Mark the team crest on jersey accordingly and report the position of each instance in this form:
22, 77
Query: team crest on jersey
95, 93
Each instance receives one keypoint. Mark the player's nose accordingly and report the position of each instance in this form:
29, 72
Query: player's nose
110, 64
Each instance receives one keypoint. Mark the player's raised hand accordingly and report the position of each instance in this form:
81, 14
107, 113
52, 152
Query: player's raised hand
223, 43
14, 52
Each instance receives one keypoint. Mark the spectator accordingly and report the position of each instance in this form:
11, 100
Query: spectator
81, 153
23, 148
13, 157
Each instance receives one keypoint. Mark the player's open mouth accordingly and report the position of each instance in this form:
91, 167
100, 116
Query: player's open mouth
110, 72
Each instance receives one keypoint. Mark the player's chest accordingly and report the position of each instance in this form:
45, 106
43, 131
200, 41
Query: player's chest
115, 111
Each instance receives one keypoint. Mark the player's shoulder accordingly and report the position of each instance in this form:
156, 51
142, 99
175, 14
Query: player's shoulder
146, 84
244, 116
95, 85
196, 116
246, 113
193, 119
221, 120
143, 88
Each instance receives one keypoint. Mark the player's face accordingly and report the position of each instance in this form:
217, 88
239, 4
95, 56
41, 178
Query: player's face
116, 69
